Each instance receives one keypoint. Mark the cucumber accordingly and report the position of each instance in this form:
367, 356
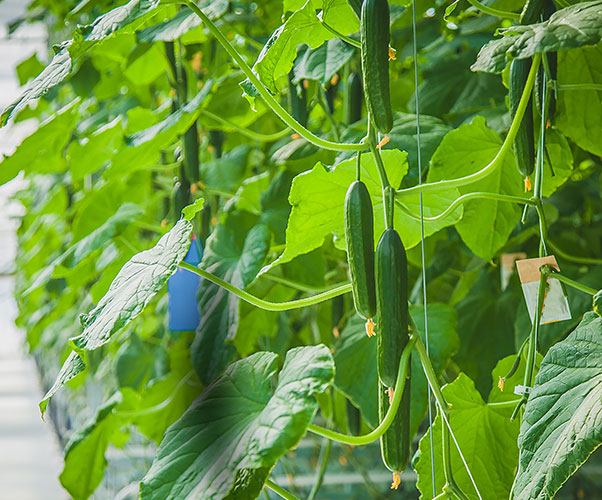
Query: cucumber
524, 142
395, 442
552, 60
531, 11
375, 37
359, 234
355, 98
297, 100
391, 272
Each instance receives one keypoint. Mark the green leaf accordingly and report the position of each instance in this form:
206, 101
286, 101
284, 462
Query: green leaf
133, 288
43, 151
579, 115
144, 147
131, 16
239, 428
355, 359
93, 152
85, 461
77, 253
322, 63
191, 210
235, 252
28, 68
184, 21
561, 426
487, 438
486, 224
569, 28
317, 198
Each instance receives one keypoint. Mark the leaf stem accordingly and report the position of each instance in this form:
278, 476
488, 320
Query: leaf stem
345, 38
499, 157
270, 100
287, 495
573, 258
552, 273
467, 197
494, 12
265, 304
580, 86
386, 422
256, 136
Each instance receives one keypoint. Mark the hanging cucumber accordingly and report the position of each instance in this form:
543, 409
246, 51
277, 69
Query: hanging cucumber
355, 99
359, 234
297, 101
395, 442
375, 37
524, 142
552, 63
391, 272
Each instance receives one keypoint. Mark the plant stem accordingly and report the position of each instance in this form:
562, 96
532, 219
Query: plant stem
572, 283
543, 229
573, 258
270, 100
256, 136
386, 422
431, 376
580, 86
294, 284
279, 490
322, 463
494, 12
499, 158
265, 304
345, 38
467, 197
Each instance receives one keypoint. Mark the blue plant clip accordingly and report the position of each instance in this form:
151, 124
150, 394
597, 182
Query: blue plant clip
182, 289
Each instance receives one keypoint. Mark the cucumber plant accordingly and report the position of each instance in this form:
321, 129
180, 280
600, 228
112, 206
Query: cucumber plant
155, 131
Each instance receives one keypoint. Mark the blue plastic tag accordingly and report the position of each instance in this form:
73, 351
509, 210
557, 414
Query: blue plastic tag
182, 289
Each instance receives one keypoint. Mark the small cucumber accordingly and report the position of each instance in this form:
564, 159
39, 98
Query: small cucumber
524, 142
395, 443
391, 272
375, 37
355, 99
297, 100
359, 234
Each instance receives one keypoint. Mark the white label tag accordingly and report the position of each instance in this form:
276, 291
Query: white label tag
507, 266
556, 304
520, 390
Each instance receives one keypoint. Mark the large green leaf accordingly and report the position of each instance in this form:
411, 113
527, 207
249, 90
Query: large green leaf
486, 224
317, 198
302, 27
123, 19
355, 358
144, 147
322, 63
569, 28
562, 422
184, 21
239, 428
43, 151
579, 115
133, 288
125, 215
486, 437
85, 461
235, 252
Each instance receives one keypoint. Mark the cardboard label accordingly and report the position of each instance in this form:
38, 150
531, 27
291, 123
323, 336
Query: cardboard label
556, 304
507, 266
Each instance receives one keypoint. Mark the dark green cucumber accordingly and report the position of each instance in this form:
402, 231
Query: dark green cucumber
355, 98
356, 5
395, 443
524, 143
375, 37
391, 273
359, 234
552, 60
297, 101
531, 11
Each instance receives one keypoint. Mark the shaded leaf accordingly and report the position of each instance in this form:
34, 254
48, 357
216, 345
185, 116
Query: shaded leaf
568, 28
239, 428
561, 426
